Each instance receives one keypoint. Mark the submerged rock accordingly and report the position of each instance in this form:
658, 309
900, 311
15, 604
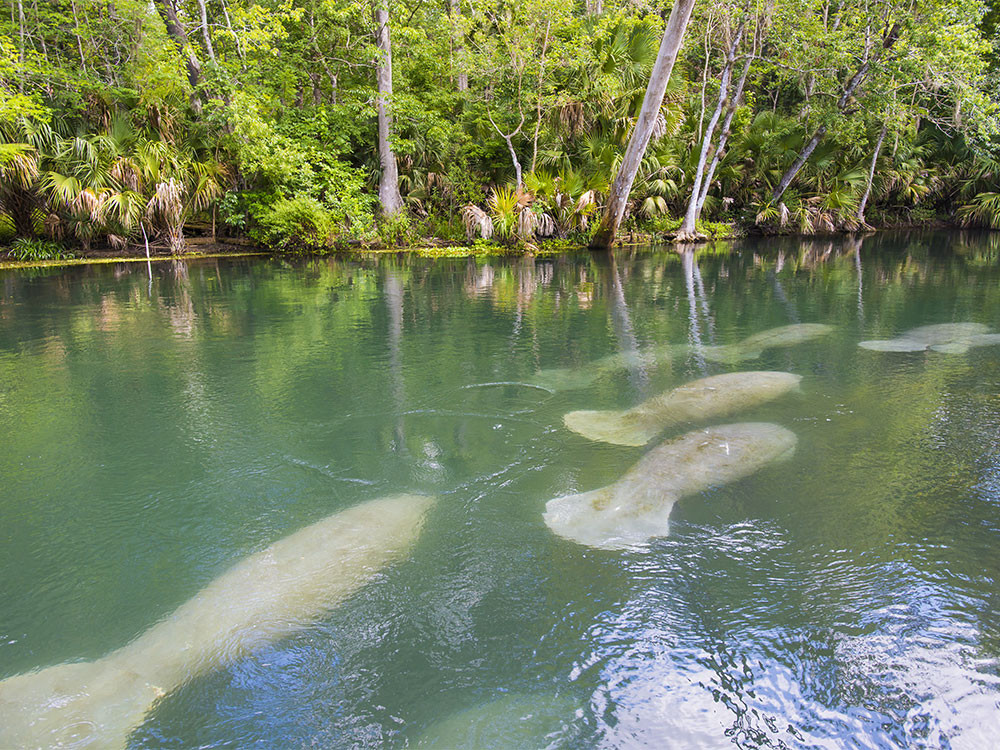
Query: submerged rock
707, 398
524, 721
637, 507
269, 595
947, 338
752, 347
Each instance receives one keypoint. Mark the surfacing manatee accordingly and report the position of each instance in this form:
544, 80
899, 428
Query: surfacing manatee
947, 338
707, 398
637, 507
754, 346
524, 721
271, 594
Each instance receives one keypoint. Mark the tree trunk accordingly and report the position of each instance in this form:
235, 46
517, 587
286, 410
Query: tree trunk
688, 228
890, 38
538, 107
236, 38
204, 31
871, 175
455, 11
76, 33
514, 159
177, 33
673, 37
800, 160
388, 186
720, 147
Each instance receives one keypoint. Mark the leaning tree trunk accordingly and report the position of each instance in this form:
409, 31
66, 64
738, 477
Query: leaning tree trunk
720, 147
688, 228
871, 176
670, 45
388, 186
177, 33
890, 38
800, 160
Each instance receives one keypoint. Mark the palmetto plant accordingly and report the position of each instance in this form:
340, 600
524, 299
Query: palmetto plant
123, 183
506, 205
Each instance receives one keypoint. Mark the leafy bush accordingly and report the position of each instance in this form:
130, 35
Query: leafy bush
394, 230
289, 223
25, 249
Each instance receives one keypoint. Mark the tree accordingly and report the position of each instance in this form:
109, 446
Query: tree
388, 186
673, 37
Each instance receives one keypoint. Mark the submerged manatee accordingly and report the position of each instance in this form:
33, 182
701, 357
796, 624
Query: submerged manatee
947, 338
570, 378
532, 720
775, 338
752, 347
273, 593
637, 507
708, 398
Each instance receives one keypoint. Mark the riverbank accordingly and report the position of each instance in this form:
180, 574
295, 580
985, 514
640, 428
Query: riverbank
199, 249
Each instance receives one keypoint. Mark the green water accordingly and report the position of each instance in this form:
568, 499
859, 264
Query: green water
155, 432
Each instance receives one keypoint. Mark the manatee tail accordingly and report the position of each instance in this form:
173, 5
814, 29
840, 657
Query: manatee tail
602, 519
87, 704
618, 427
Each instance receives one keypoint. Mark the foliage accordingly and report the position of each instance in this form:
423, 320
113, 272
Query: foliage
262, 123
26, 249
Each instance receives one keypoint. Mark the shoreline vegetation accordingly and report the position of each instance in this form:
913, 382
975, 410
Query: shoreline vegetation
136, 128
430, 248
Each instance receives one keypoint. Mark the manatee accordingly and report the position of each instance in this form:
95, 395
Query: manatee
708, 398
519, 720
754, 346
637, 507
569, 378
271, 594
947, 338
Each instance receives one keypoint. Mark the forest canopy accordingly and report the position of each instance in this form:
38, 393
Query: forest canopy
311, 123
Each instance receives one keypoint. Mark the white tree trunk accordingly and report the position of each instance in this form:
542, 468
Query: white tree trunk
688, 228
670, 45
388, 186
720, 147
871, 174
204, 31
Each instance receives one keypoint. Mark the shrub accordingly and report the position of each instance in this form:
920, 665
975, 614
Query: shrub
394, 230
25, 249
290, 223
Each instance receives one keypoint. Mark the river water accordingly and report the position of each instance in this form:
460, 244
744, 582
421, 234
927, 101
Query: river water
154, 432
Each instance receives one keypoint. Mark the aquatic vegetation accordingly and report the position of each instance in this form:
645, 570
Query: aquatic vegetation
519, 720
275, 592
637, 507
754, 346
947, 338
707, 398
